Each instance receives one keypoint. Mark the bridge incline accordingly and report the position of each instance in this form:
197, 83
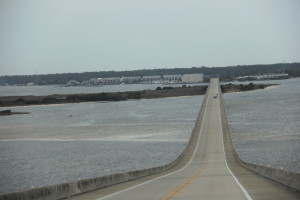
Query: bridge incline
204, 172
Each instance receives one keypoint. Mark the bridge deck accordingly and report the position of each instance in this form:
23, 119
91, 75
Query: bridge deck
203, 173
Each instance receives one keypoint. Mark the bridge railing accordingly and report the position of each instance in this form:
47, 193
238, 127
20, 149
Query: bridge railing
285, 177
65, 190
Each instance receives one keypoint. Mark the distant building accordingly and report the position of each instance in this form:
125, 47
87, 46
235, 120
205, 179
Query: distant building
130, 80
192, 78
85, 83
246, 78
172, 78
152, 79
72, 83
95, 81
272, 76
263, 77
112, 80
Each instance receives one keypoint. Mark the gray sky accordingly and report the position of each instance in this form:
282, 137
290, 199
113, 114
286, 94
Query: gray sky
58, 36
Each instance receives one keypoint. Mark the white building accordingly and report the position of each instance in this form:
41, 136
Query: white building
132, 79
112, 80
152, 79
30, 84
72, 83
272, 76
192, 78
172, 78
95, 81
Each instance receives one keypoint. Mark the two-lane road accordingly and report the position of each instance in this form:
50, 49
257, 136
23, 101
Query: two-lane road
202, 174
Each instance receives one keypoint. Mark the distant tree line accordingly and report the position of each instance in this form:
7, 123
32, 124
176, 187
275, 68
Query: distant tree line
241, 87
224, 73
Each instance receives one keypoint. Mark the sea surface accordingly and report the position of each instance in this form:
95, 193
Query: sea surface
265, 124
57, 89
67, 142
62, 143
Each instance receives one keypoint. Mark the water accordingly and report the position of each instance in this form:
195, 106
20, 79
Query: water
62, 143
56, 89
265, 124
26, 164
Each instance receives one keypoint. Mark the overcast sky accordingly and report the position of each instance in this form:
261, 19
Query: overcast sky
58, 36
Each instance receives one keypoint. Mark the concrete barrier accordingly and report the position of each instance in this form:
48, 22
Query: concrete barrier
288, 178
65, 190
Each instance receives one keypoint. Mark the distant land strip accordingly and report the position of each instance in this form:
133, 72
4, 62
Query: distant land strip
9, 112
159, 92
228, 73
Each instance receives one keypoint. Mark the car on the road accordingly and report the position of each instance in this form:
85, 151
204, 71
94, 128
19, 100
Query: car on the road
216, 96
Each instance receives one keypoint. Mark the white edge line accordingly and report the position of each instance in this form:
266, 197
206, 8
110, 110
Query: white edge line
234, 177
110, 195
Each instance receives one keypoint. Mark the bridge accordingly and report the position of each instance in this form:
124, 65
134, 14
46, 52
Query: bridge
209, 168
204, 172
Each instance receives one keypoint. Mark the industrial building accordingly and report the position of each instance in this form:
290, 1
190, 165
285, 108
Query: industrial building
192, 78
130, 80
263, 77
172, 78
112, 80
152, 79
176, 78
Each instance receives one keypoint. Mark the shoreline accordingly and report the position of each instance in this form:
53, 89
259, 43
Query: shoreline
105, 97
266, 88
272, 87
9, 112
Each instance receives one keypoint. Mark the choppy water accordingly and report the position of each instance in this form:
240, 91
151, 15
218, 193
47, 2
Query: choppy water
266, 124
60, 143
56, 89
26, 164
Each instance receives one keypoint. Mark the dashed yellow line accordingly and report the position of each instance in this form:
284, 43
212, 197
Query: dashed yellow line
183, 184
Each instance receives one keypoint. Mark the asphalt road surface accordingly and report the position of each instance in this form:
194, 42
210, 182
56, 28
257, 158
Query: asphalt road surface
203, 173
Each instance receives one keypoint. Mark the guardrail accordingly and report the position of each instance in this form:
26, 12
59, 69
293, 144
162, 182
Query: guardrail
285, 177
65, 190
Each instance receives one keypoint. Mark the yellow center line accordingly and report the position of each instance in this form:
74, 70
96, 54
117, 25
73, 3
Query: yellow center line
183, 184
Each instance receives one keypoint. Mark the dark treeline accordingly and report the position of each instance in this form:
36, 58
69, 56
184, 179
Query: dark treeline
225, 73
